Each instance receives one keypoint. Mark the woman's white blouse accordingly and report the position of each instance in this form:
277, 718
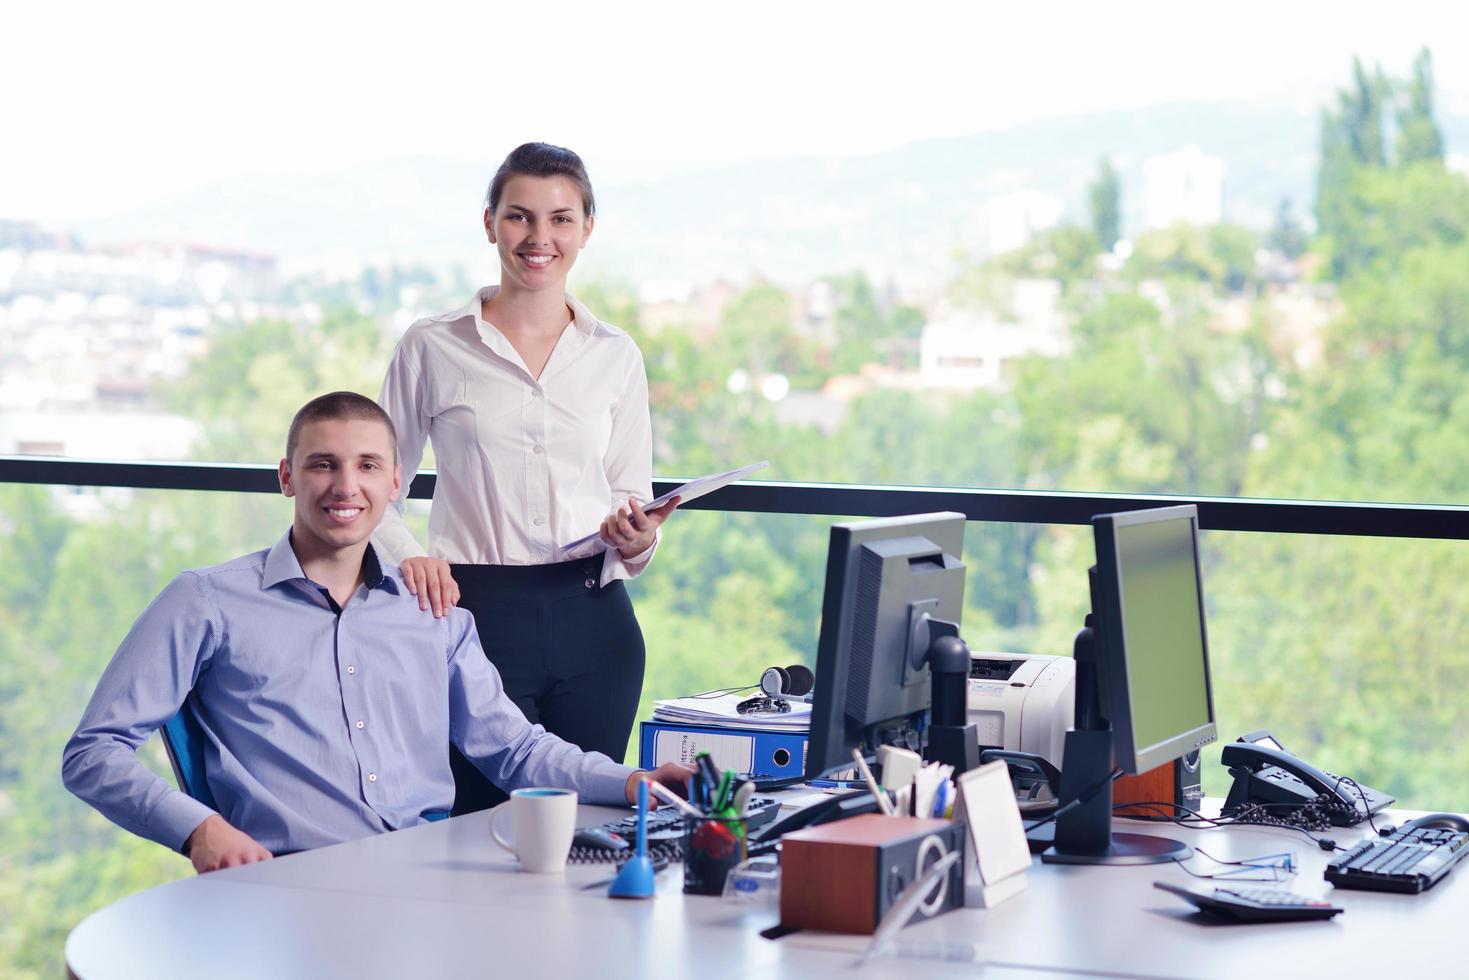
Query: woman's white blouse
524, 465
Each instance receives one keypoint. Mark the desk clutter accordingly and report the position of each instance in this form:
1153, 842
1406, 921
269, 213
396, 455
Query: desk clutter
611, 842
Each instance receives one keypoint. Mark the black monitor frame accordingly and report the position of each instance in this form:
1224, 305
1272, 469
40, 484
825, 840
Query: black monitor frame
1083, 832
1117, 684
833, 732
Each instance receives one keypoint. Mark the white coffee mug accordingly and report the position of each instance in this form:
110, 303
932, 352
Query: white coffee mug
544, 820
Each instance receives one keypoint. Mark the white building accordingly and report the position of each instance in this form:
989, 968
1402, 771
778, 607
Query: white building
967, 349
1186, 185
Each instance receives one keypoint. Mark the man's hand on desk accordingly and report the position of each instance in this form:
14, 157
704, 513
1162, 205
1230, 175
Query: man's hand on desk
214, 844
674, 775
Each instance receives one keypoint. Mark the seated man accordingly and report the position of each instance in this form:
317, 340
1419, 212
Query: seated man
328, 699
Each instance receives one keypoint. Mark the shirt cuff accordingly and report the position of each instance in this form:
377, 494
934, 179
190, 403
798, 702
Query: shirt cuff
617, 567
175, 818
608, 785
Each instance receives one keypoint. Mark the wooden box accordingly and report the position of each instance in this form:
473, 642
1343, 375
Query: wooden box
843, 876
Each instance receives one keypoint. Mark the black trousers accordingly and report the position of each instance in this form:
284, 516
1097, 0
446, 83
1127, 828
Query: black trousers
570, 654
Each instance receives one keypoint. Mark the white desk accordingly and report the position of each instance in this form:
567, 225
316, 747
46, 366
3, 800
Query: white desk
444, 900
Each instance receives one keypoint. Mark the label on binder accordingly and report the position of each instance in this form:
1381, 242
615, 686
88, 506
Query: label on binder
735, 752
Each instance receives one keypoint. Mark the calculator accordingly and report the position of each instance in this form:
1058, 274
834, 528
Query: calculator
1251, 904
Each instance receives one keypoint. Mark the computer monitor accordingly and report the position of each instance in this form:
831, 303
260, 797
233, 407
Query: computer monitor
1144, 695
892, 586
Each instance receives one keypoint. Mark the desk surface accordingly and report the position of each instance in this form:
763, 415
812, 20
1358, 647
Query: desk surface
444, 900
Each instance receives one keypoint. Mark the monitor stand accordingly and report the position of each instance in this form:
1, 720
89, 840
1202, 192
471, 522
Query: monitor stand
1084, 832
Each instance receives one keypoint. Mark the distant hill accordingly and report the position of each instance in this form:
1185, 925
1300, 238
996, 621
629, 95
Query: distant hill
899, 214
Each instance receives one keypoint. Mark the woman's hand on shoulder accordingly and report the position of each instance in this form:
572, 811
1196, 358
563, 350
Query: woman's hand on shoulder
631, 530
430, 580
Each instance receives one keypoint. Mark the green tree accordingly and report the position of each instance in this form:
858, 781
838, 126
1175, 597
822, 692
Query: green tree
1106, 205
1222, 254
1418, 135
1351, 140
1392, 212
1286, 235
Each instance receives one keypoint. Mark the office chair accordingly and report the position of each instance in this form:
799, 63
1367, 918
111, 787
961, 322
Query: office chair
183, 740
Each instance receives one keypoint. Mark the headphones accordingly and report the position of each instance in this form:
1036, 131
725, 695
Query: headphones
775, 685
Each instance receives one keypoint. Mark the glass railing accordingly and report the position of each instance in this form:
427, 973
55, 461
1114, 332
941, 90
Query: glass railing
1313, 635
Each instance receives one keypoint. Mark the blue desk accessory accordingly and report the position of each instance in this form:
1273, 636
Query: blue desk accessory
635, 880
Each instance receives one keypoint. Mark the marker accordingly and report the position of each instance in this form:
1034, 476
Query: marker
705, 762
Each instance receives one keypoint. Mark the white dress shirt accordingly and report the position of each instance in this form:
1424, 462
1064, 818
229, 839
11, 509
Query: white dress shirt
525, 465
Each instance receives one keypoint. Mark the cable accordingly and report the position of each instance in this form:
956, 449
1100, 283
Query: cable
1362, 793
1243, 818
725, 690
1084, 797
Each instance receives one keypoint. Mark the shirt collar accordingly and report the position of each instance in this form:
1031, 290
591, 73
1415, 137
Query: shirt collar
586, 324
282, 565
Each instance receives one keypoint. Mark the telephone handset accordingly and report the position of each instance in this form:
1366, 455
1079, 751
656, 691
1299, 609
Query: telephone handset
1265, 773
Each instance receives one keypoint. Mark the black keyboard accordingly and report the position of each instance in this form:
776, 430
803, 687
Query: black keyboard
1411, 859
665, 832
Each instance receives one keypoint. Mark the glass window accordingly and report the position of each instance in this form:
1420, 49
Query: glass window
961, 246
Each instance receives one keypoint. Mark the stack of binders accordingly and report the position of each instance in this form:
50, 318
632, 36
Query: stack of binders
765, 747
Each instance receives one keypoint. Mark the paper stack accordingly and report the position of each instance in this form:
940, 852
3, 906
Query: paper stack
721, 712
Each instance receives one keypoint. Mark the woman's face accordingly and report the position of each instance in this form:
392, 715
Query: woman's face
538, 227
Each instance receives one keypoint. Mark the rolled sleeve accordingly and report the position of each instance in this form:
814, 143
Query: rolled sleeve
614, 566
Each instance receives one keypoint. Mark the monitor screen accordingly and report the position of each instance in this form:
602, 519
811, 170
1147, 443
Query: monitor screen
885, 579
1154, 656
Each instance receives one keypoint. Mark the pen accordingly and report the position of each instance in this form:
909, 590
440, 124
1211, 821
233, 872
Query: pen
940, 799
882, 798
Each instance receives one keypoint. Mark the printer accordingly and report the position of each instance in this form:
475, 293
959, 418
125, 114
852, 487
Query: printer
1022, 702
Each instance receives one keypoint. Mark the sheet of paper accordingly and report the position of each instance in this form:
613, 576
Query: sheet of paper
592, 543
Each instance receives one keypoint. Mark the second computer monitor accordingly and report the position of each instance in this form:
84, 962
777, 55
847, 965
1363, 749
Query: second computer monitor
1154, 651
891, 583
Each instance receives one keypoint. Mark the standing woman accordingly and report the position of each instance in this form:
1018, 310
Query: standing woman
538, 415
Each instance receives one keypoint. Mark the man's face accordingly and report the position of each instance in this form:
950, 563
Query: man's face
343, 476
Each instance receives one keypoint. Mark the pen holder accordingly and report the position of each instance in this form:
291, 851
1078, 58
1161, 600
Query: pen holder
712, 846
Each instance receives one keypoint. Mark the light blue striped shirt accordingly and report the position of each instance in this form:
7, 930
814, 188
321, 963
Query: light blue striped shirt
319, 727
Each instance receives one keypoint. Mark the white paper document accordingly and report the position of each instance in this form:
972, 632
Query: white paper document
722, 710
592, 543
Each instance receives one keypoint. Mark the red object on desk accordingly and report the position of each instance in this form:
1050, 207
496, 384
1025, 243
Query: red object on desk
842, 876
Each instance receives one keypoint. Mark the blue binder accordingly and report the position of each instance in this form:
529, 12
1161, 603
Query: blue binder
748, 751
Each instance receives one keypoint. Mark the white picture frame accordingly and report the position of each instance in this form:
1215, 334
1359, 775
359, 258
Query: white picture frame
999, 854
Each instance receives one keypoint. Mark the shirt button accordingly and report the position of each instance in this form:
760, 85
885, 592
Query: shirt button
538, 450
372, 777
539, 521
535, 393
590, 583
359, 723
351, 669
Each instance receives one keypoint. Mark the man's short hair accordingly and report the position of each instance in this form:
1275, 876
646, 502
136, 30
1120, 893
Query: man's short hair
337, 405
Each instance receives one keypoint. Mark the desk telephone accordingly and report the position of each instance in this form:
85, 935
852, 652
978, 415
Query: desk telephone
1266, 774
